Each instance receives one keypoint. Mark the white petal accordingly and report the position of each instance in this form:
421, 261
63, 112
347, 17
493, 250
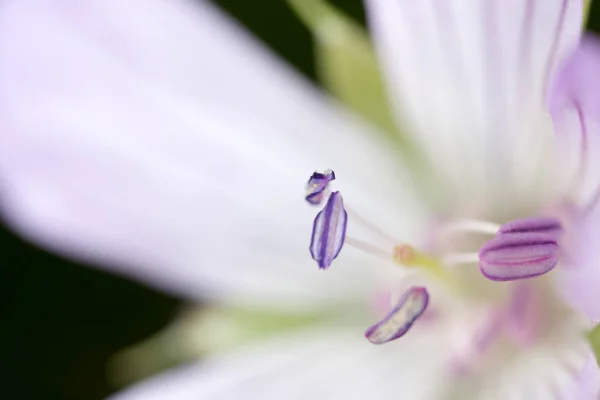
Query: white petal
336, 364
469, 77
587, 386
155, 138
339, 364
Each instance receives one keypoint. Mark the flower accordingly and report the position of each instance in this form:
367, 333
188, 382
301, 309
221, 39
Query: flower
156, 139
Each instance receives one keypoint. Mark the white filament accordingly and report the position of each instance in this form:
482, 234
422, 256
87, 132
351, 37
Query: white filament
364, 222
368, 248
470, 226
454, 259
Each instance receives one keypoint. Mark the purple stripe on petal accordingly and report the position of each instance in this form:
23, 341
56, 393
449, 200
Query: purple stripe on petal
520, 299
584, 131
316, 186
526, 34
572, 91
329, 231
518, 256
525, 47
543, 225
555, 44
399, 320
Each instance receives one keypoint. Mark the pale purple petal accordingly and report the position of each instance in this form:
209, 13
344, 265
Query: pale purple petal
587, 385
576, 78
156, 138
575, 106
468, 79
574, 102
580, 279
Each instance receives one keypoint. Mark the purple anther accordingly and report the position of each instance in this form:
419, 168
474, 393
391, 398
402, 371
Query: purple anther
316, 186
545, 225
510, 257
398, 321
329, 231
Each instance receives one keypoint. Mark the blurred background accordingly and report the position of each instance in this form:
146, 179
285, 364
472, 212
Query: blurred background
61, 322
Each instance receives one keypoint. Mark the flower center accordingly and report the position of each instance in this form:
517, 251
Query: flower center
517, 250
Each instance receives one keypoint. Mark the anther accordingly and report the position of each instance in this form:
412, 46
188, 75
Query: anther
329, 231
317, 185
511, 257
398, 321
542, 225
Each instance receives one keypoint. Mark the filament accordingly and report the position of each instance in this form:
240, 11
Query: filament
471, 226
454, 259
368, 248
364, 222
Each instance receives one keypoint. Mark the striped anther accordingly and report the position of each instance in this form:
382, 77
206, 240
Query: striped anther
329, 231
516, 256
398, 321
542, 225
317, 186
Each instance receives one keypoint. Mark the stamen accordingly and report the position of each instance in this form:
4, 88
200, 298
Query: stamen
511, 257
542, 225
317, 185
399, 320
329, 228
329, 231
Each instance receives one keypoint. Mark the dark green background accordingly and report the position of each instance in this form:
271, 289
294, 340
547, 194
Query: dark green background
60, 321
